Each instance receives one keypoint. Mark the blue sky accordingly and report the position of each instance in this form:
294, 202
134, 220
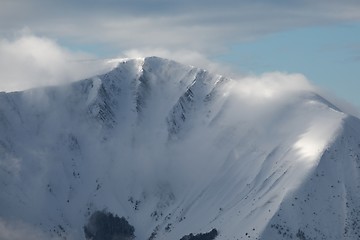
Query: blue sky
329, 56
320, 39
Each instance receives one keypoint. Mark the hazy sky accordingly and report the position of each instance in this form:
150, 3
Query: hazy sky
320, 39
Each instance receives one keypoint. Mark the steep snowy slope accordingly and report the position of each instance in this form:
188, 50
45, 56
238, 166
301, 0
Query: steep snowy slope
326, 205
178, 150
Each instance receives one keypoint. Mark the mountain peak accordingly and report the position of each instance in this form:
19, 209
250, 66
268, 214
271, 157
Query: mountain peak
178, 151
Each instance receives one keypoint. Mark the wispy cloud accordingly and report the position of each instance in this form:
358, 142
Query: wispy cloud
200, 25
30, 61
183, 56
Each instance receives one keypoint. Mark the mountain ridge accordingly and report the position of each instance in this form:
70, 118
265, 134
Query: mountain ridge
177, 150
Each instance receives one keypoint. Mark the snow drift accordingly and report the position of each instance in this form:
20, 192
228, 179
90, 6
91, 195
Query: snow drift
177, 150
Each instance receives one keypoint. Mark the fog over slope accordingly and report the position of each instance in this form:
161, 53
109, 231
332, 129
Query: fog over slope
176, 150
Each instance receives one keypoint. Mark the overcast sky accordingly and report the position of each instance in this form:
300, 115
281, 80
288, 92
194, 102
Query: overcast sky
320, 39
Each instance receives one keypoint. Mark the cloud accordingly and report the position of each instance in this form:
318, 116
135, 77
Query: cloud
28, 61
20, 230
278, 87
272, 85
204, 26
183, 56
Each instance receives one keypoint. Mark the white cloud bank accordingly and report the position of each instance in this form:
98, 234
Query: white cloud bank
30, 61
183, 56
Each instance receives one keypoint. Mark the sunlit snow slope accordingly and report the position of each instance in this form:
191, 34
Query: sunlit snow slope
178, 150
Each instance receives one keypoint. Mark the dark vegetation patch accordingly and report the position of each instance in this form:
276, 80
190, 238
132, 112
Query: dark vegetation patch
202, 236
106, 226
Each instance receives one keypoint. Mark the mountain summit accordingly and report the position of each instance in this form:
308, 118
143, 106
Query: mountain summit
159, 150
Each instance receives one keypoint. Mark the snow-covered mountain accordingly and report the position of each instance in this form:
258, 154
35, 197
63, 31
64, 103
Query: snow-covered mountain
177, 150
